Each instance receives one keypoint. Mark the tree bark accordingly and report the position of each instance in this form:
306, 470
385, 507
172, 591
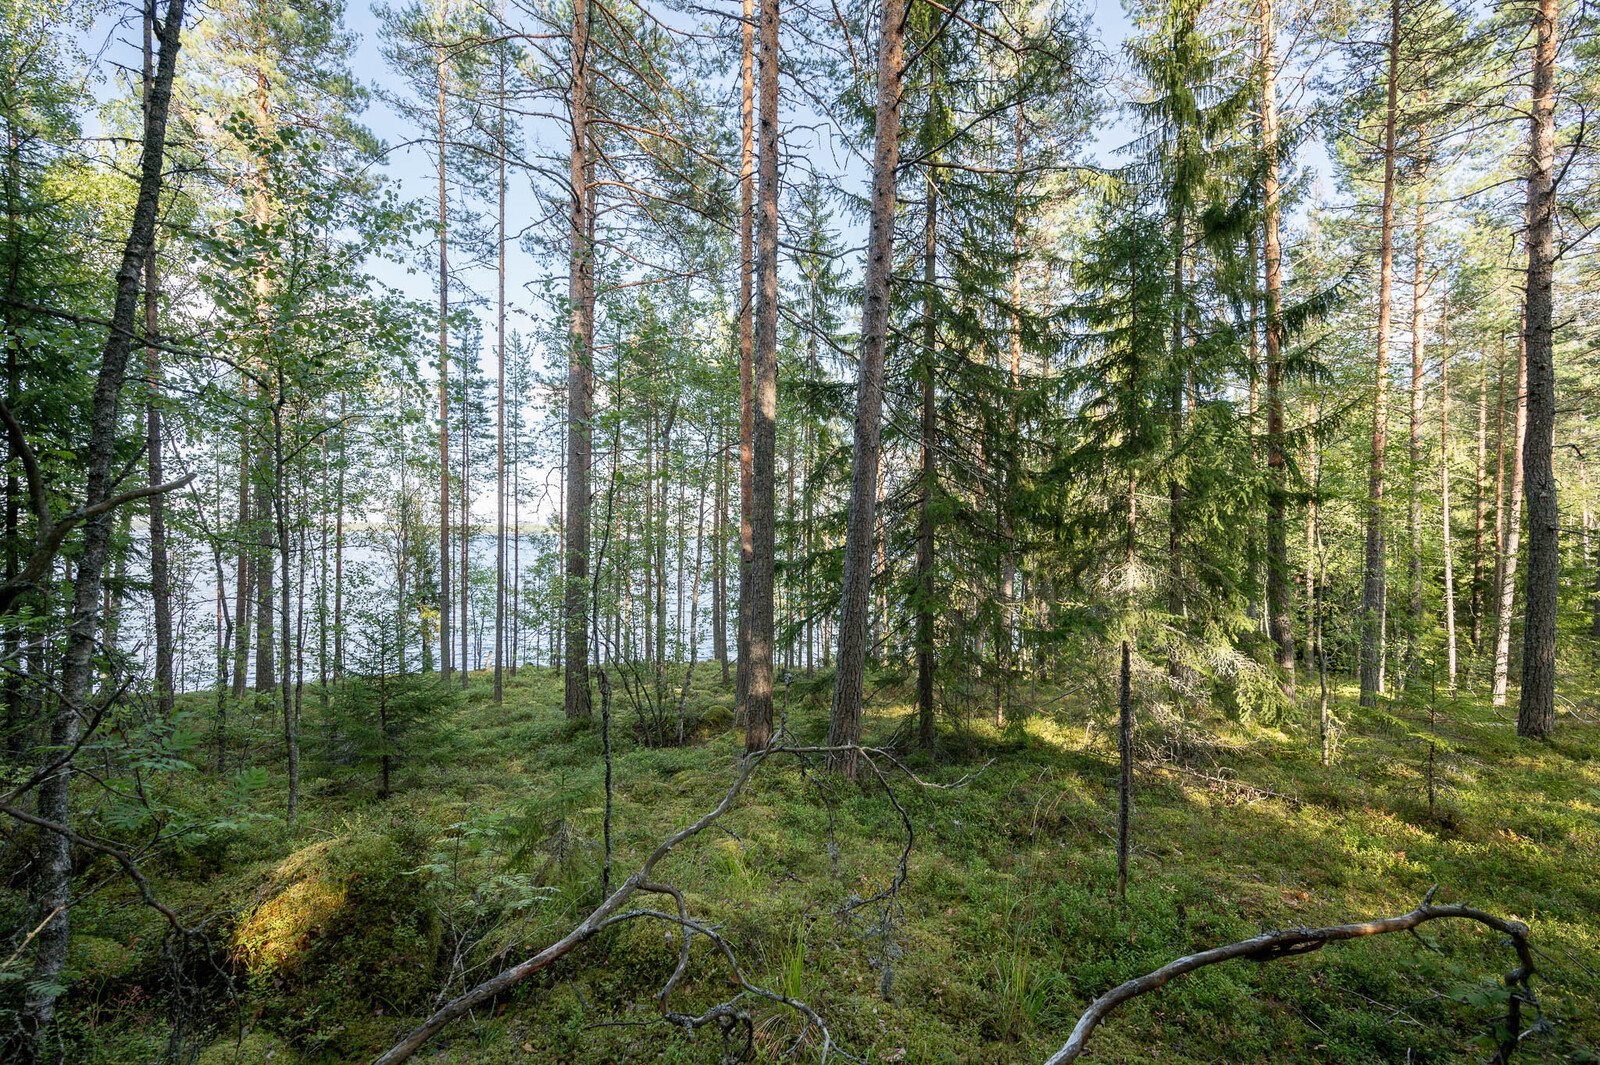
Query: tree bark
1479, 500
1280, 609
1536, 712
1512, 542
844, 725
500, 402
929, 430
747, 150
160, 585
763, 529
53, 872
580, 382
1373, 574
1419, 336
1444, 517
446, 652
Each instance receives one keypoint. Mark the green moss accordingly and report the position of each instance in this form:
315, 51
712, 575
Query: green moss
255, 1047
99, 958
343, 930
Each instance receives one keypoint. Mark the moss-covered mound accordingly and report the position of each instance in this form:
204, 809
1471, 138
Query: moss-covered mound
340, 939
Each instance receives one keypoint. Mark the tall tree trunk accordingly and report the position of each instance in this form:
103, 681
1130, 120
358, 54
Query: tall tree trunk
280, 519
1512, 542
580, 382
929, 429
719, 554
1444, 515
763, 527
1373, 585
500, 403
53, 870
1479, 500
1419, 339
242, 579
844, 725
265, 679
160, 585
446, 654
1280, 610
464, 522
1536, 712
747, 149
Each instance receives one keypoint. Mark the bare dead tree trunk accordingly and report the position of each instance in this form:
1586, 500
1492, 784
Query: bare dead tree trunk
844, 726
1536, 712
763, 528
53, 872
580, 381
1373, 573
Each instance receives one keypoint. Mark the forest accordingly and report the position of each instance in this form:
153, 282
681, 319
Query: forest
690, 531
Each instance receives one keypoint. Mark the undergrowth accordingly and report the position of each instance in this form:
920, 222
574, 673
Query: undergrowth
340, 931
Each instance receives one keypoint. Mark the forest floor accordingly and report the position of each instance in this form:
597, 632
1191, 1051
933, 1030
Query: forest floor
339, 932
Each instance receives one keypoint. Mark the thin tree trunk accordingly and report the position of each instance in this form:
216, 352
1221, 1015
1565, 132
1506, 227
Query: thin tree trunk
446, 653
53, 868
580, 386
1419, 336
930, 429
1374, 581
1280, 610
1512, 542
241, 575
160, 587
500, 407
763, 528
844, 726
265, 680
719, 572
1480, 481
1125, 771
464, 524
1536, 712
1444, 516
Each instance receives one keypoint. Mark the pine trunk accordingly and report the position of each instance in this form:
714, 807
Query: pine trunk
1536, 712
844, 725
1374, 583
763, 529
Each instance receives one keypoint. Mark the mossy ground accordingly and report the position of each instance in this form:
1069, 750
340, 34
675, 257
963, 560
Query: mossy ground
1006, 927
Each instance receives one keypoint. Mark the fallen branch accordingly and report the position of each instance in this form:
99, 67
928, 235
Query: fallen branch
1270, 946
610, 911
